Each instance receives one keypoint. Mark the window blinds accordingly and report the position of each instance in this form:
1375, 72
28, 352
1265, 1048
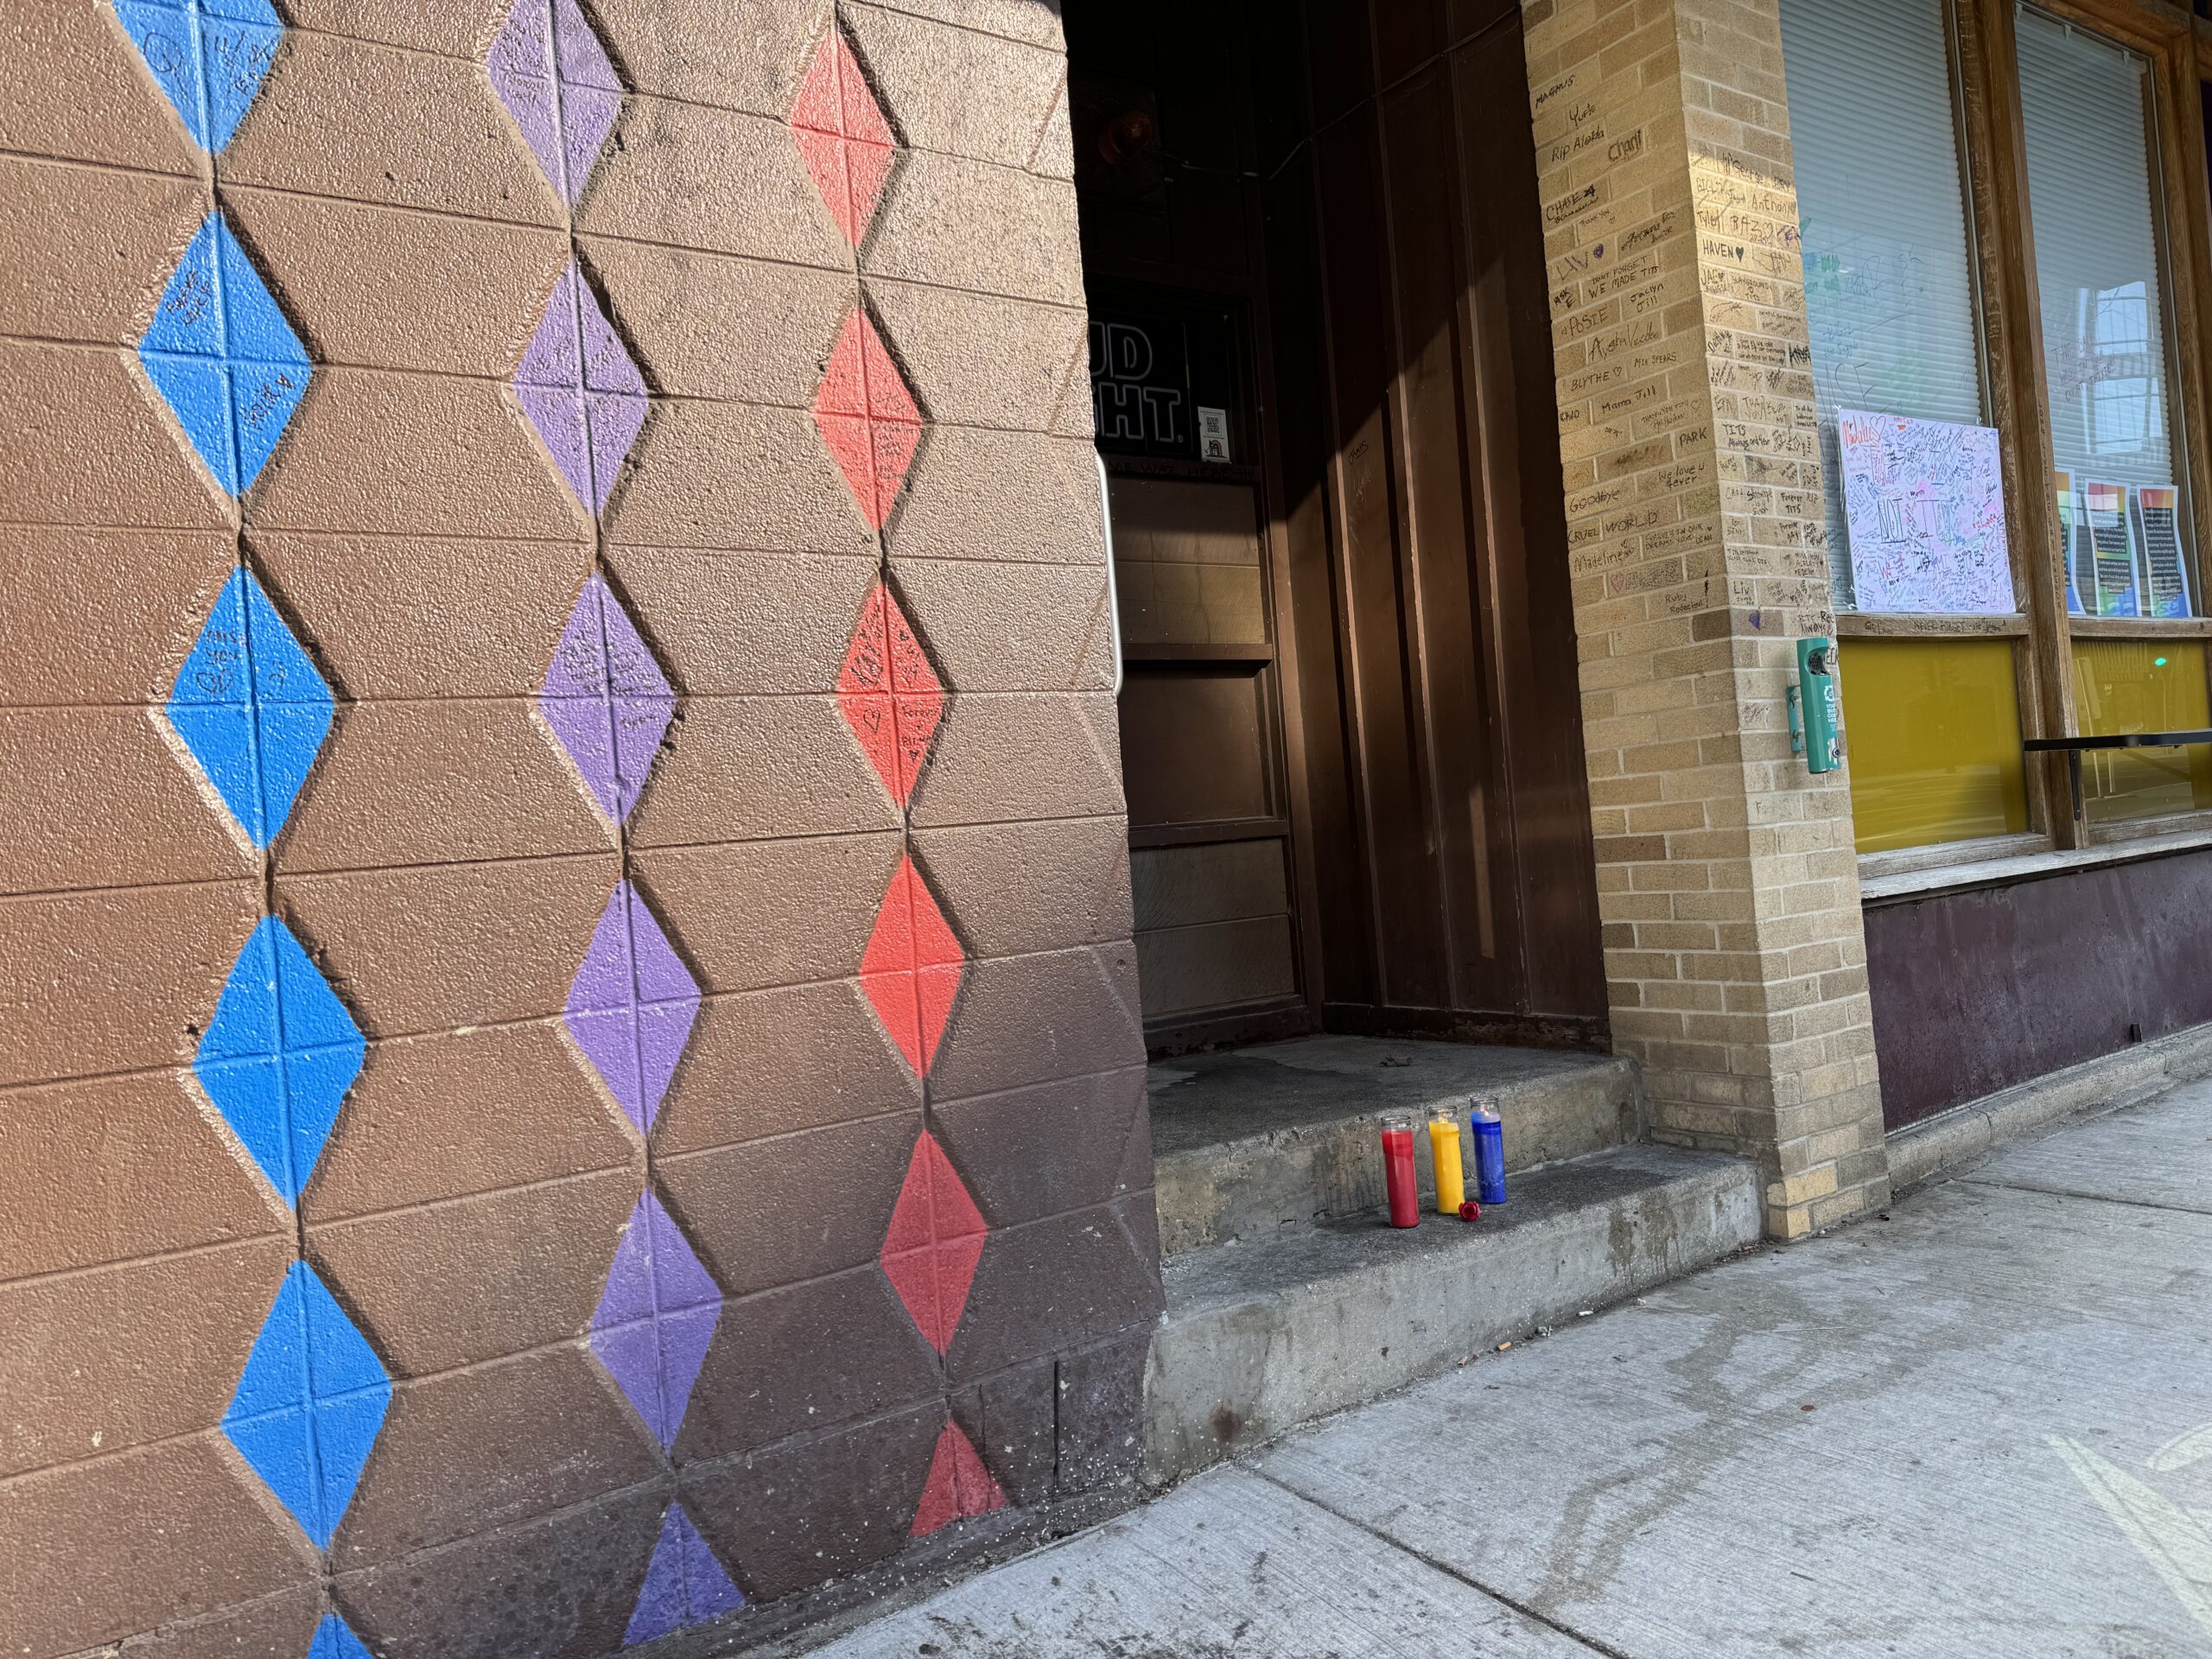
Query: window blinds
1888, 276
2084, 104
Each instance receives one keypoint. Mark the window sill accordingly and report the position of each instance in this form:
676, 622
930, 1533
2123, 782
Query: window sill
1929, 625
1936, 857
1900, 886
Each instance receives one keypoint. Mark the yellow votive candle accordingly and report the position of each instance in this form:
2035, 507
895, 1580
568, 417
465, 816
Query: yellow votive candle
1451, 1175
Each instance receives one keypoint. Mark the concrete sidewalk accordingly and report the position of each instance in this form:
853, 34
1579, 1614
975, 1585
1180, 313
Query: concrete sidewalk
1982, 1427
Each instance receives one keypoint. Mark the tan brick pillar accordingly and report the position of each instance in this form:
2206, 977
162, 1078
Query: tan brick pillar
1726, 878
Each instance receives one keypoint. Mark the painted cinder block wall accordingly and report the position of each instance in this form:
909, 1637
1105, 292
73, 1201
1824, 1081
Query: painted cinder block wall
569, 1049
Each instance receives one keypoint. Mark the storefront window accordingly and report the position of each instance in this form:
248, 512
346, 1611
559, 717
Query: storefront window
1924, 544
1889, 271
2137, 685
1891, 301
2093, 185
1935, 728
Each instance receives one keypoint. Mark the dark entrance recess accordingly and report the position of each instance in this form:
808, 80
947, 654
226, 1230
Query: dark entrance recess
1322, 377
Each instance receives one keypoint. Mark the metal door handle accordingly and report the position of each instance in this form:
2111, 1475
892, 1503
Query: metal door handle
1113, 589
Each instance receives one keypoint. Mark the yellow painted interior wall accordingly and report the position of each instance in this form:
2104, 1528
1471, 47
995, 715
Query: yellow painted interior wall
1933, 729
2134, 685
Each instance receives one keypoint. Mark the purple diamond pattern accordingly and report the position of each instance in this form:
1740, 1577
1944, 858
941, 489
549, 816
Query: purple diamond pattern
630, 1006
581, 390
655, 1318
554, 78
606, 700
685, 1585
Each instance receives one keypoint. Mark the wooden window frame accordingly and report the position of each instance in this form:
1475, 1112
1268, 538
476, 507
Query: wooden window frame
1985, 68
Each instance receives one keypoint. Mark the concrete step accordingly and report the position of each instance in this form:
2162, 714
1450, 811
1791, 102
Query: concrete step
1258, 1337
1246, 1141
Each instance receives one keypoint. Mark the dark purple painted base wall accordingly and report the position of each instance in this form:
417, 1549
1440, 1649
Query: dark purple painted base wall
1976, 991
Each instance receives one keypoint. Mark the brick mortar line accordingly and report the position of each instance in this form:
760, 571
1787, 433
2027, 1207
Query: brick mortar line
504, 699
550, 230
553, 1017
654, 395
632, 93
964, 28
569, 1178
584, 234
47, 895
573, 543
156, 1258
632, 90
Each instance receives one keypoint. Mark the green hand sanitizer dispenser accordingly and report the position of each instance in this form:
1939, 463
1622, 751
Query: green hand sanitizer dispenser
1821, 703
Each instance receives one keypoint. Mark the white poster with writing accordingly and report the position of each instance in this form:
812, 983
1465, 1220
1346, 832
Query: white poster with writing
1924, 505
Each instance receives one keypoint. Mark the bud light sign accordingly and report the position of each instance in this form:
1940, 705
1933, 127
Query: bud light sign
1140, 386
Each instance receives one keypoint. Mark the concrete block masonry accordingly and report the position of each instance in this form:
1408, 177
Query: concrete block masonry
567, 893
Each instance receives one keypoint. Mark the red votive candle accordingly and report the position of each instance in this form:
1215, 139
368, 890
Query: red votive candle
1398, 1180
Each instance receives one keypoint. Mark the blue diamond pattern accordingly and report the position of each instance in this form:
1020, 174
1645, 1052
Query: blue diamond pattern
685, 1584
280, 1056
222, 357
335, 1639
209, 56
250, 708
308, 1406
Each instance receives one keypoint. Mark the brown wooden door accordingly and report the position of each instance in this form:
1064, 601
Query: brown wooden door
1427, 553
1210, 850
1212, 862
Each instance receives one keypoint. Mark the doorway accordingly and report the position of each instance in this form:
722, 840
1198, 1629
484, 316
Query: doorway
1321, 374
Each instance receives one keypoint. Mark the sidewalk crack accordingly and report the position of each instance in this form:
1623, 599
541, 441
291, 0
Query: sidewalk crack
1532, 1614
2075, 1193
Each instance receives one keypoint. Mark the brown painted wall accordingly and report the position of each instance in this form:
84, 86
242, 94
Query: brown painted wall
607, 1022
1974, 992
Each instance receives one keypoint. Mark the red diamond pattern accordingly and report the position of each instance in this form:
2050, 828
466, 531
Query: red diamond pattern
912, 967
891, 696
842, 137
867, 417
930, 1252
958, 1485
